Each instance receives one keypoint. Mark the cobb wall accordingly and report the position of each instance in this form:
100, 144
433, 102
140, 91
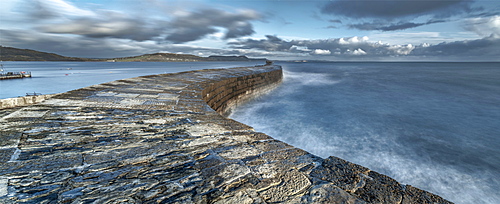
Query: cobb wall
162, 139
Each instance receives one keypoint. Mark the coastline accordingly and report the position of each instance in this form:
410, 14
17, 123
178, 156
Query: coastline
163, 138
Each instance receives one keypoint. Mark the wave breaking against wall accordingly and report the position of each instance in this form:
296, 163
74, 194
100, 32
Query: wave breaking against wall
163, 138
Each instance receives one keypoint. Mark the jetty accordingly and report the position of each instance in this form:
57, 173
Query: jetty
12, 75
164, 139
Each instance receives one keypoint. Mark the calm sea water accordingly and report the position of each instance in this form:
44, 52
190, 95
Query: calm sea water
58, 77
431, 125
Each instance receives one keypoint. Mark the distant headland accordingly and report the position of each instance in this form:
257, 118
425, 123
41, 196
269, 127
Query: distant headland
16, 54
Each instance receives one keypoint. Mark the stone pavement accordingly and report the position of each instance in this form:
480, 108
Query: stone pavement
163, 139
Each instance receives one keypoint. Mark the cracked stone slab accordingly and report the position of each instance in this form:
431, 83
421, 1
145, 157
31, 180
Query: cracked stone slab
26, 114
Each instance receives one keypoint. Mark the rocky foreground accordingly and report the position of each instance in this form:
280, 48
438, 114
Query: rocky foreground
162, 139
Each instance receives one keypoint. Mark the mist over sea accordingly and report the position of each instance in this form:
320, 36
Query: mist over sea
434, 126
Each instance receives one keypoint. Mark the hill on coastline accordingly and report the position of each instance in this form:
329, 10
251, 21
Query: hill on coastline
16, 54
171, 57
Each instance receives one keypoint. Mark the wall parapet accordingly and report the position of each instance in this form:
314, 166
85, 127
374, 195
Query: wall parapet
22, 101
163, 139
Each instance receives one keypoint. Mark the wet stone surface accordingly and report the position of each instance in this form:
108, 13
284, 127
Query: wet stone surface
154, 139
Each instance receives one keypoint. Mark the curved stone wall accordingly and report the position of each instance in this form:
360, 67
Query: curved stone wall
156, 139
223, 95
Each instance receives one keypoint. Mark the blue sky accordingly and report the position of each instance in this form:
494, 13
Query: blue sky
337, 30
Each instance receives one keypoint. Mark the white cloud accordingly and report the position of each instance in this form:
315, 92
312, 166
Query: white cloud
343, 42
217, 35
403, 49
484, 26
65, 8
299, 48
359, 51
322, 52
353, 40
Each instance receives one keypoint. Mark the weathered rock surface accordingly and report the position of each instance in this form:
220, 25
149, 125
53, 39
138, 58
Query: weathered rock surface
162, 139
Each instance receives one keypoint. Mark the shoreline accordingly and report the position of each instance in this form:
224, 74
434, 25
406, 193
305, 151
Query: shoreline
163, 138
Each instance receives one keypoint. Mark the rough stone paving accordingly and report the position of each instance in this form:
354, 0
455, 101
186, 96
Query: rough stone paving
155, 139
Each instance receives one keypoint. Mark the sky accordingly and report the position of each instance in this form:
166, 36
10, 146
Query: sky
335, 30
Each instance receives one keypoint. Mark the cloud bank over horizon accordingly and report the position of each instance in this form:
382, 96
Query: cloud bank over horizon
200, 28
357, 47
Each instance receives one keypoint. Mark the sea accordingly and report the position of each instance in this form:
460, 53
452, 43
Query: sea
435, 126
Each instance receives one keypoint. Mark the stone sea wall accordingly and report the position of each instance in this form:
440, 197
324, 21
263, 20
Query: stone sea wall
162, 139
224, 95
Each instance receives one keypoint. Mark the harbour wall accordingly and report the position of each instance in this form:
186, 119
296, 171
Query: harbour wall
163, 139
224, 95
